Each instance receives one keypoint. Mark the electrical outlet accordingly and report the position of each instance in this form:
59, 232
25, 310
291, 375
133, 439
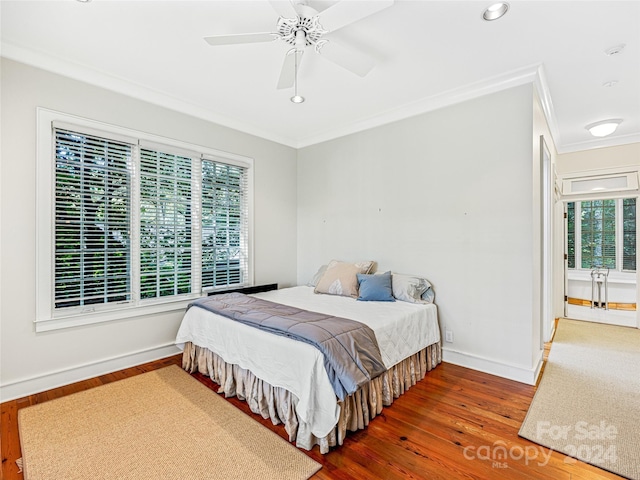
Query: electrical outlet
448, 336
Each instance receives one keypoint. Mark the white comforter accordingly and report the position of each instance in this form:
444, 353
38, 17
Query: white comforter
401, 329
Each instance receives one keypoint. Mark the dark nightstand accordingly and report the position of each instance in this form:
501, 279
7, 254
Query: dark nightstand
249, 289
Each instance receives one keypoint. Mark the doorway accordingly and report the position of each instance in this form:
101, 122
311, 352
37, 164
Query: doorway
600, 260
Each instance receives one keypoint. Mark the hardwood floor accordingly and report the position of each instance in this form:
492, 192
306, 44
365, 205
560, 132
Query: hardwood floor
448, 426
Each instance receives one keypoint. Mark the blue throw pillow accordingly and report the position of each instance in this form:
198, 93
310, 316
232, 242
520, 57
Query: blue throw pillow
375, 288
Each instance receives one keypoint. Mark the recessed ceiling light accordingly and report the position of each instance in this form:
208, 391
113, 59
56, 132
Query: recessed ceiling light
615, 50
297, 99
604, 127
495, 11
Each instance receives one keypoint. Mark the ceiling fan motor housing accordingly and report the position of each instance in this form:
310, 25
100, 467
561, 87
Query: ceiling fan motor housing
310, 27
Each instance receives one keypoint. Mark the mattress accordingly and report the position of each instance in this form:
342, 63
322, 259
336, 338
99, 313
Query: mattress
401, 328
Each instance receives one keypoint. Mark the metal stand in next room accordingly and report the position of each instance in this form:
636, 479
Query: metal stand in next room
599, 282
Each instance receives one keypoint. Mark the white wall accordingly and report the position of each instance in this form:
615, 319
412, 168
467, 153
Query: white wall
33, 362
447, 195
450, 194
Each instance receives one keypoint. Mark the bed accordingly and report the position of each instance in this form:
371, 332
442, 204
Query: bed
285, 380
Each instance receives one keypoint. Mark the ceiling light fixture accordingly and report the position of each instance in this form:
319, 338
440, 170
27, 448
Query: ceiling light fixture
495, 11
604, 127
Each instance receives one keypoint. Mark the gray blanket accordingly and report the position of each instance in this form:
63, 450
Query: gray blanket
351, 354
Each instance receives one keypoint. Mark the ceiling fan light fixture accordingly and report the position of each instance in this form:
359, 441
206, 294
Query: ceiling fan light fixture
495, 11
296, 98
603, 128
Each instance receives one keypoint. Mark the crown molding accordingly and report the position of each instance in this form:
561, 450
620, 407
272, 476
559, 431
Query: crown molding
541, 85
529, 74
490, 85
544, 94
107, 81
614, 141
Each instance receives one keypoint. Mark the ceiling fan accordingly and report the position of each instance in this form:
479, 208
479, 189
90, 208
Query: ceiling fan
302, 26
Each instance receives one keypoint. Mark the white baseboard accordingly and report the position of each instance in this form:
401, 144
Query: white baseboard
493, 367
47, 381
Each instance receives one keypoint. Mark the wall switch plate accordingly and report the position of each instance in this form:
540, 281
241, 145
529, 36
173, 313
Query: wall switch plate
448, 336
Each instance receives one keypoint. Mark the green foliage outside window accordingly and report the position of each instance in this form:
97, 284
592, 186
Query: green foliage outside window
222, 206
596, 230
598, 234
92, 188
571, 234
165, 224
629, 234
102, 185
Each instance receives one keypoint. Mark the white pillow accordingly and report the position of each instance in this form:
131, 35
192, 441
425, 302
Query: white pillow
411, 288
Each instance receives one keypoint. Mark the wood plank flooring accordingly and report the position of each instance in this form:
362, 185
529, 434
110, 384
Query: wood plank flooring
448, 426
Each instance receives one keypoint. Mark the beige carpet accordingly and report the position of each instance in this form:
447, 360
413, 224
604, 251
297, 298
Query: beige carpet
158, 425
587, 405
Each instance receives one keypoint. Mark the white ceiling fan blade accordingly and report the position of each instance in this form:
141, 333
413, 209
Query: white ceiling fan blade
284, 8
355, 62
347, 11
237, 38
288, 72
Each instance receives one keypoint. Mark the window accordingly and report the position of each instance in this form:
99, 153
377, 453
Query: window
602, 233
92, 203
629, 234
223, 224
129, 222
598, 232
165, 224
571, 234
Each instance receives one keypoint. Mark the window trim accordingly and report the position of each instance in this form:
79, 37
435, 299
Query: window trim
46, 317
570, 183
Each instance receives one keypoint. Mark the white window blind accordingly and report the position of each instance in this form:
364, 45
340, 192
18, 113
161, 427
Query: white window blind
92, 203
124, 217
165, 224
224, 224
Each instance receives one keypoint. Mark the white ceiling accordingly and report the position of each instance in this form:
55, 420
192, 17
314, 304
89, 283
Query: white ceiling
429, 54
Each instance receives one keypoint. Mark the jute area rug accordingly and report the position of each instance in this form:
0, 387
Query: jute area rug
587, 405
162, 424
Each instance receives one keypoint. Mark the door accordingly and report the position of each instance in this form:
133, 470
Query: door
600, 260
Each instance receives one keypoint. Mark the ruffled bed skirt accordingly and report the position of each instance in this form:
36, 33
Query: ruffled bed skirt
279, 404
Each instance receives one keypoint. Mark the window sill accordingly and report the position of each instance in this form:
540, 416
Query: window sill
81, 319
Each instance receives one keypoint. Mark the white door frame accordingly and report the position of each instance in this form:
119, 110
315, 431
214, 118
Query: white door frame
547, 197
